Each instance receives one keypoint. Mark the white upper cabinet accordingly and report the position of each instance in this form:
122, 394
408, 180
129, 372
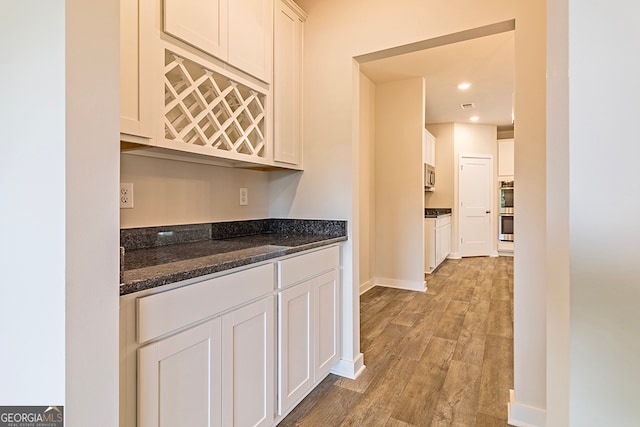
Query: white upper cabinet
287, 76
505, 157
429, 148
239, 32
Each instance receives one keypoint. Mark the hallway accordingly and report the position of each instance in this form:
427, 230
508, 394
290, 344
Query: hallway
439, 358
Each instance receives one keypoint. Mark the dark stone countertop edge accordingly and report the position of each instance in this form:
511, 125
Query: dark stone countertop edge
436, 212
132, 286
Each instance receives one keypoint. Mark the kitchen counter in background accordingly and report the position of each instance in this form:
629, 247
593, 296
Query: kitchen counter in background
436, 212
156, 256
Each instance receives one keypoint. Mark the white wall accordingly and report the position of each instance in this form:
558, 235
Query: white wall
557, 246
170, 192
604, 248
92, 240
399, 256
32, 175
367, 217
529, 401
59, 305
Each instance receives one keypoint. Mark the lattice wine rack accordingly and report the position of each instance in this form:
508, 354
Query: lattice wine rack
205, 108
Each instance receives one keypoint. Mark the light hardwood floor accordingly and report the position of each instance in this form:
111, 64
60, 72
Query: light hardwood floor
439, 358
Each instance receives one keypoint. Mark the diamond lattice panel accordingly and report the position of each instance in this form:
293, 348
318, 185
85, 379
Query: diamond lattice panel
205, 108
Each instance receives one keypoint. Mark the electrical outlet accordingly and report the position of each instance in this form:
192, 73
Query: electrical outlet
244, 196
126, 195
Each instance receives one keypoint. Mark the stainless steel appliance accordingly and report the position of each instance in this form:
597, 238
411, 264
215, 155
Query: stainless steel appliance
506, 197
505, 219
429, 177
505, 225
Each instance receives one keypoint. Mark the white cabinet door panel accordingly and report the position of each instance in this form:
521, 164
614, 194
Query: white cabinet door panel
248, 365
296, 346
326, 323
179, 379
287, 78
251, 37
200, 23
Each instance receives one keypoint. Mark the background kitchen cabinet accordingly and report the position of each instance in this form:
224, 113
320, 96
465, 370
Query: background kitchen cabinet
308, 324
429, 148
287, 87
437, 240
505, 157
239, 32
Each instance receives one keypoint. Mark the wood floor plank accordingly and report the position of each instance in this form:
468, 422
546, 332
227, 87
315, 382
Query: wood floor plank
484, 420
420, 396
497, 377
471, 341
458, 401
499, 319
451, 323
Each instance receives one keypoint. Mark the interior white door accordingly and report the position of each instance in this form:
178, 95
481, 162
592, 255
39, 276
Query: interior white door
475, 186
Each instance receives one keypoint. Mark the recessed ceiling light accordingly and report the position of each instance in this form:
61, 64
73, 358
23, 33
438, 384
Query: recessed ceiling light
464, 86
474, 118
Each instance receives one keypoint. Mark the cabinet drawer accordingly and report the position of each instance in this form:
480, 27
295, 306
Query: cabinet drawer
162, 313
296, 269
440, 222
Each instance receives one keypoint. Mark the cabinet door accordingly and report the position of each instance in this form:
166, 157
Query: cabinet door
438, 245
295, 359
429, 148
429, 245
135, 104
446, 241
325, 290
287, 89
179, 379
200, 23
251, 37
505, 157
248, 365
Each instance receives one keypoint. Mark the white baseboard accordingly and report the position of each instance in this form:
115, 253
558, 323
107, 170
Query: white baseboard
349, 368
454, 255
364, 287
520, 415
419, 285
493, 254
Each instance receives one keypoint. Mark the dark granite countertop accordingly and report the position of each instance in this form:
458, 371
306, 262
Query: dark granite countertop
436, 212
157, 256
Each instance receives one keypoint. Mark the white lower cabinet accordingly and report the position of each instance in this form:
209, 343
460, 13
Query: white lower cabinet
217, 373
204, 353
308, 325
437, 240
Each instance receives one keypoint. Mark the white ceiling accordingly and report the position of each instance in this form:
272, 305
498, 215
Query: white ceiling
486, 62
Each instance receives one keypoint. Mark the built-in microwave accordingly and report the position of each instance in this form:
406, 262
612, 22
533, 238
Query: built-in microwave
429, 177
